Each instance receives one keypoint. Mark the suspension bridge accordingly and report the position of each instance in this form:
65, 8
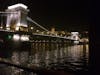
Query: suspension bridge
29, 44
15, 19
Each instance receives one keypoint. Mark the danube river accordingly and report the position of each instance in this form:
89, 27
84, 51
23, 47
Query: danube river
47, 55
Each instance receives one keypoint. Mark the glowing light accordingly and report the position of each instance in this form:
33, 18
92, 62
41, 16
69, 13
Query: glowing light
76, 42
24, 38
17, 5
16, 37
17, 28
74, 33
18, 24
32, 28
9, 37
24, 25
1, 27
7, 25
37, 30
8, 28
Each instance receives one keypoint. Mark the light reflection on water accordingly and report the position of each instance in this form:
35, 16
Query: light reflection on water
55, 53
46, 55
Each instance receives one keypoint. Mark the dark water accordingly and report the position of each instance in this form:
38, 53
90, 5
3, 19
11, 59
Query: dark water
50, 56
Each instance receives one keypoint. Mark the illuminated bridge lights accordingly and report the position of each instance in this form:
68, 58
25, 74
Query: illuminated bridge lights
17, 37
24, 38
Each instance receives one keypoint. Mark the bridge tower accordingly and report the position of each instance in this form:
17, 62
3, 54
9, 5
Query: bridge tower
17, 17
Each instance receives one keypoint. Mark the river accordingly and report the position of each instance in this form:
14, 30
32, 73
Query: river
50, 56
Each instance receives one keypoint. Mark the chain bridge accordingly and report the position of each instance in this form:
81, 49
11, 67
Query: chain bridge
27, 48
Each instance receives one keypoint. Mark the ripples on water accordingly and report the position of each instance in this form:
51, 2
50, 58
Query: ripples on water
50, 55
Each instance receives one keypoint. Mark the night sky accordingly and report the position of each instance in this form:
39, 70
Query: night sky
68, 15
